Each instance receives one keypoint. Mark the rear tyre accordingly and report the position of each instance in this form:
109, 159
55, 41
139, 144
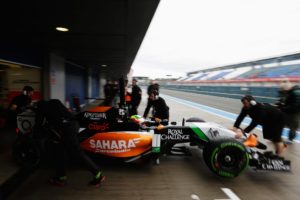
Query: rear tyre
226, 158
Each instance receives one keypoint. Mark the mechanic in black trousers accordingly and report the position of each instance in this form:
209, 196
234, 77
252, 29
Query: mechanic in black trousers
289, 103
64, 137
136, 97
269, 117
161, 110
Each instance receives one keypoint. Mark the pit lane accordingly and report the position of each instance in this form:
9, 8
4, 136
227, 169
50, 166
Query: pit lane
177, 177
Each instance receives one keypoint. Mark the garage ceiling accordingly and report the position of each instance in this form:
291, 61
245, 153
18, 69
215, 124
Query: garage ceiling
102, 32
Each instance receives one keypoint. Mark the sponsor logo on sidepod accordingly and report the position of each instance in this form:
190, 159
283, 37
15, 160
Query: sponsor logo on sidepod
113, 146
95, 116
99, 127
175, 134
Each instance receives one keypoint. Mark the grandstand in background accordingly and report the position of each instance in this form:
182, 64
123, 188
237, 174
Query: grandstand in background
276, 67
260, 78
142, 80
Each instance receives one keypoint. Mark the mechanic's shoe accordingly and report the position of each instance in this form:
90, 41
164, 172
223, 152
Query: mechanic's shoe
288, 142
98, 179
58, 181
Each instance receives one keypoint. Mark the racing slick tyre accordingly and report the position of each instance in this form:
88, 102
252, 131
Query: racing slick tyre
26, 152
194, 119
226, 158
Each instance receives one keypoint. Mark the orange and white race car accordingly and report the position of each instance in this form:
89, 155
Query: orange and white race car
104, 131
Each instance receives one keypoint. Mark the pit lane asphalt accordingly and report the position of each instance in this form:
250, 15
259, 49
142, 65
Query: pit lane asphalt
181, 178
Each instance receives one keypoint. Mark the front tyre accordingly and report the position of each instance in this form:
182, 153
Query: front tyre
26, 152
226, 158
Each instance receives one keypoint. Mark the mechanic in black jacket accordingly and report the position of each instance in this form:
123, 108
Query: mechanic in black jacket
161, 110
269, 117
64, 139
289, 103
136, 97
18, 104
22, 100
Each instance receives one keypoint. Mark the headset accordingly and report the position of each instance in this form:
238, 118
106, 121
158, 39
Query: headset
155, 92
250, 99
253, 102
27, 89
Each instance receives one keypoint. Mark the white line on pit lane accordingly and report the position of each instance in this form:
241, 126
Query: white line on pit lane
227, 191
230, 194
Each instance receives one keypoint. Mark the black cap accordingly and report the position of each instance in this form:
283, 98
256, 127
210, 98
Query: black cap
248, 98
155, 92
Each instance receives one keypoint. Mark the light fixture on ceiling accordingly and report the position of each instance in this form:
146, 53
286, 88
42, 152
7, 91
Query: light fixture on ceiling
103, 65
62, 29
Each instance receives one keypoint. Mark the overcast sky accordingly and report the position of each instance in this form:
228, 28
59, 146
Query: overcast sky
188, 35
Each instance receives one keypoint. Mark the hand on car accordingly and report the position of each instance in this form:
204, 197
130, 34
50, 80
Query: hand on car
238, 132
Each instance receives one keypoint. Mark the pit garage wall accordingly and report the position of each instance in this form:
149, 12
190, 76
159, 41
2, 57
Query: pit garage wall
102, 83
20, 65
95, 86
68, 80
57, 78
54, 84
76, 83
13, 77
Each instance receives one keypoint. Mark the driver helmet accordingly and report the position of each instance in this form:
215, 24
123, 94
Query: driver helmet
137, 119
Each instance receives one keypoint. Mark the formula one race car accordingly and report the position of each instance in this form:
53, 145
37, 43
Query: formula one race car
137, 138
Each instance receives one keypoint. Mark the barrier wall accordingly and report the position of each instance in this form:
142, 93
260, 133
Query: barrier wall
268, 94
264, 90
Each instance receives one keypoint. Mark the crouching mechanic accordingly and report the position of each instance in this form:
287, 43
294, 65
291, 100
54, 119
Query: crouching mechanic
161, 110
63, 136
269, 117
